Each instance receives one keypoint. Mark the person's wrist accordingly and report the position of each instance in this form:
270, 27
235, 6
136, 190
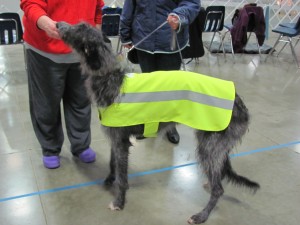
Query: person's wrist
42, 21
98, 26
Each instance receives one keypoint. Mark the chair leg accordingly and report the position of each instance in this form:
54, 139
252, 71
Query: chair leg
293, 51
273, 49
211, 41
259, 49
25, 58
282, 48
298, 39
248, 38
222, 44
119, 46
232, 51
231, 45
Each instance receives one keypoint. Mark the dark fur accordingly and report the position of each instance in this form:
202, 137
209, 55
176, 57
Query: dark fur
105, 76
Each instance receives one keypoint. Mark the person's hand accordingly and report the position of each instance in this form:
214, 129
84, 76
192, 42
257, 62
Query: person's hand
129, 46
98, 26
49, 26
173, 22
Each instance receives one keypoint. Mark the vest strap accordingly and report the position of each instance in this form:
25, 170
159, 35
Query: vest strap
150, 129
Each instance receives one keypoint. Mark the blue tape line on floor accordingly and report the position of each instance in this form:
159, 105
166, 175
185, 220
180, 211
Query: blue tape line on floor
101, 181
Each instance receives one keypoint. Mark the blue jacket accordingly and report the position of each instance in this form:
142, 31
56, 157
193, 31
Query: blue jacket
139, 19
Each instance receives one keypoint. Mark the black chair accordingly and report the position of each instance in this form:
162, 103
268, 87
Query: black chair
111, 10
195, 49
239, 29
286, 35
111, 23
11, 30
110, 27
214, 22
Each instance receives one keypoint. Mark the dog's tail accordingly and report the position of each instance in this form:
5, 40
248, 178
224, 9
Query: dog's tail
238, 180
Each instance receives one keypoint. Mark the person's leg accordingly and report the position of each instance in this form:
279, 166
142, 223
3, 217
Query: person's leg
169, 62
77, 111
46, 87
154, 62
147, 61
147, 65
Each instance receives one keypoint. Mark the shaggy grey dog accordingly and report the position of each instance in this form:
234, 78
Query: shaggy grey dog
105, 77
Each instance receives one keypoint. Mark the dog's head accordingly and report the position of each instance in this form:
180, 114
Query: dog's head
86, 40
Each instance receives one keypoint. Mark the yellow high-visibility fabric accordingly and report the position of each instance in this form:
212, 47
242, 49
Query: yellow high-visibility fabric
147, 109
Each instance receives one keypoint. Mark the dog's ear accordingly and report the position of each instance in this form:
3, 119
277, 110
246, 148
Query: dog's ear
92, 57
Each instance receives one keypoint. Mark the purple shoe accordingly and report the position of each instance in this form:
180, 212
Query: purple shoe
87, 156
51, 162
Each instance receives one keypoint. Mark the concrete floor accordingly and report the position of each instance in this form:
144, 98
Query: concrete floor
165, 183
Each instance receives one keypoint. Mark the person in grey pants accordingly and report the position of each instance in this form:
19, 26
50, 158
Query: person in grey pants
55, 77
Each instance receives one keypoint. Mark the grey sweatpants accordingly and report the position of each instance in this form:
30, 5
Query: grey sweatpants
50, 83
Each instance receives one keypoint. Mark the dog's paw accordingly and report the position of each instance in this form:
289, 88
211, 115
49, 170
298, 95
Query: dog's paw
190, 221
198, 218
112, 207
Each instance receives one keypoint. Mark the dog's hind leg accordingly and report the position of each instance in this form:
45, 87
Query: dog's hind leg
119, 171
213, 155
218, 169
212, 159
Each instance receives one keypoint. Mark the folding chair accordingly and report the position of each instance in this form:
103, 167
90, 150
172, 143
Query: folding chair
214, 22
11, 30
195, 49
286, 35
8, 34
290, 25
110, 24
251, 20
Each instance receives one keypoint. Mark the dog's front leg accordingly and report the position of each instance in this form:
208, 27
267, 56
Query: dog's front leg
120, 151
112, 174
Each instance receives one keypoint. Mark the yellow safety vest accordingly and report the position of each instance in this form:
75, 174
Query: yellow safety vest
199, 101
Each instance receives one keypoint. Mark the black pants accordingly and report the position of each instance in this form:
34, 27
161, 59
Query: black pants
50, 83
155, 62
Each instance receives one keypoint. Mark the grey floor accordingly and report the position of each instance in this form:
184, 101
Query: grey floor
165, 183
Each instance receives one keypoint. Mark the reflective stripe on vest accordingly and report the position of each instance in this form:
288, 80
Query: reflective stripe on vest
199, 101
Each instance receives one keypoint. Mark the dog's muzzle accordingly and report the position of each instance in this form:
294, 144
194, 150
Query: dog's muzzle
62, 27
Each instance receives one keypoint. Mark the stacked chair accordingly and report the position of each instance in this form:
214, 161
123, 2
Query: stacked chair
11, 31
250, 20
111, 23
287, 33
214, 22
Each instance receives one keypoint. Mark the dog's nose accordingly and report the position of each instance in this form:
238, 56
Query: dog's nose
62, 24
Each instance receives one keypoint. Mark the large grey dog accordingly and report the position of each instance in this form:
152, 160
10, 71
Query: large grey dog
104, 79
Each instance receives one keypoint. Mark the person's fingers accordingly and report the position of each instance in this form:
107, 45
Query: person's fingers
173, 21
